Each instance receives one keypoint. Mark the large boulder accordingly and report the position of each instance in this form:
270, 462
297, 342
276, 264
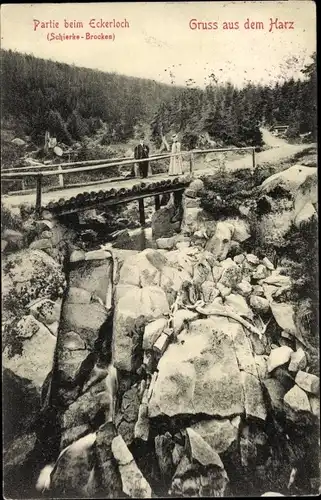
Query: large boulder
84, 319
194, 220
192, 376
134, 309
73, 469
290, 180
29, 275
242, 347
305, 214
110, 482
296, 404
127, 416
181, 260
239, 305
162, 226
253, 397
288, 196
220, 434
164, 447
195, 188
284, 316
200, 471
143, 269
72, 353
134, 483
17, 473
278, 357
25, 373
227, 232
220, 243
275, 392
171, 281
87, 405
94, 276
201, 451
36, 358
308, 382
152, 332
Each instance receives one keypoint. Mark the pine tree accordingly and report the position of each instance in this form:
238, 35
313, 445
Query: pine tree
77, 126
57, 127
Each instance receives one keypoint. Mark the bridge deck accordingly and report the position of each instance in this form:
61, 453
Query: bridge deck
52, 197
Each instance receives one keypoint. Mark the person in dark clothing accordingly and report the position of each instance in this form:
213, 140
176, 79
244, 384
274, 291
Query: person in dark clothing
142, 151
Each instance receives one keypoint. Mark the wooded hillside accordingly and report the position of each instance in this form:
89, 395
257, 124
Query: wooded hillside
73, 103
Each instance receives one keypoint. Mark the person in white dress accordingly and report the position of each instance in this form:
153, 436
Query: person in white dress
176, 164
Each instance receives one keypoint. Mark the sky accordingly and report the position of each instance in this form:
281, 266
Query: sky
159, 43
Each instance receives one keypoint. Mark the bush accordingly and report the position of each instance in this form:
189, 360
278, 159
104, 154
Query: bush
10, 220
189, 141
293, 131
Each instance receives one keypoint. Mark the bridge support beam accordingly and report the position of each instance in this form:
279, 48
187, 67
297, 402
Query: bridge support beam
141, 211
178, 204
157, 202
38, 195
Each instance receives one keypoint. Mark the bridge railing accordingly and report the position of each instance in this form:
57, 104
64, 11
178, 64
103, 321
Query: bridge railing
90, 165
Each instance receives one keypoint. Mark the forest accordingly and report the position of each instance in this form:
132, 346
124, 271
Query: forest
75, 103
232, 116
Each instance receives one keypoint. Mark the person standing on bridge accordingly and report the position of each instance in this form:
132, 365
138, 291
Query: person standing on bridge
176, 164
141, 152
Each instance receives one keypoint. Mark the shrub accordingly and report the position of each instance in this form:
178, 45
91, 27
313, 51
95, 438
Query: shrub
10, 220
225, 191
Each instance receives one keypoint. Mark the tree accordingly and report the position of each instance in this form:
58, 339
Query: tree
57, 127
77, 126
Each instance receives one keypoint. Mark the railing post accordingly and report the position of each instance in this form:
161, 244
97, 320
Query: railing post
191, 163
38, 195
61, 178
141, 211
253, 159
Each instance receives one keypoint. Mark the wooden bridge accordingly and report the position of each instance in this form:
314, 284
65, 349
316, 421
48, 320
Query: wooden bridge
78, 197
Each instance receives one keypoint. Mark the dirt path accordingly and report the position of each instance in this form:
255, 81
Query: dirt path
270, 156
271, 140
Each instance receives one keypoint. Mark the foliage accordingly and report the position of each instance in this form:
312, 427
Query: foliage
302, 247
232, 116
45, 282
72, 102
99, 109
189, 141
300, 261
225, 191
10, 220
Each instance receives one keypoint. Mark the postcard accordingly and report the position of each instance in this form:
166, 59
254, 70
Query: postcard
159, 243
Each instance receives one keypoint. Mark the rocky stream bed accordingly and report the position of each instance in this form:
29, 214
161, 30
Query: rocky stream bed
180, 370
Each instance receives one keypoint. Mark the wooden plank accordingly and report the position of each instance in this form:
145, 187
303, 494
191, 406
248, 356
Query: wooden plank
74, 163
119, 163
141, 211
61, 178
33, 173
113, 201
